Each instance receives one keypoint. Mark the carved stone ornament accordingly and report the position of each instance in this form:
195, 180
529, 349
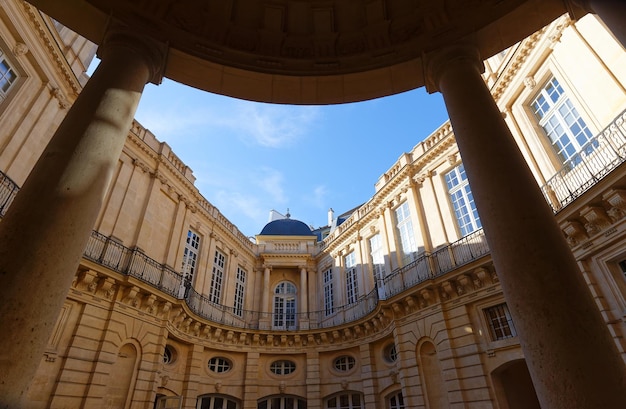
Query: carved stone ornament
20, 49
530, 82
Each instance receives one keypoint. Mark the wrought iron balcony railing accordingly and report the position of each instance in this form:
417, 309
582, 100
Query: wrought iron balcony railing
594, 161
597, 159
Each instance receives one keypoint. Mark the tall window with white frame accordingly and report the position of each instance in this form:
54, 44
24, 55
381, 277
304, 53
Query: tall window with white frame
406, 236
462, 201
190, 258
329, 296
285, 306
240, 288
377, 259
217, 277
565, 128
8, 76
352, 286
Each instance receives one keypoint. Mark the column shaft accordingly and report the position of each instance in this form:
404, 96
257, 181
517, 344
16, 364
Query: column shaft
266, 292
47, 227
304, 299
572, 359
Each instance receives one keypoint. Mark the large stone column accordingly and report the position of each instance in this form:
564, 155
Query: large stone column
572, 359
45, 230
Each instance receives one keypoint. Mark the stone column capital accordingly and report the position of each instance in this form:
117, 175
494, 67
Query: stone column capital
153, 52
437, 62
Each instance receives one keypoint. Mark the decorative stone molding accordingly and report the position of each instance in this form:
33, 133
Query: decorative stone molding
20, 49
464, 284
529, 82
574, 231
616, 198
60, 97
446, 290
596, 219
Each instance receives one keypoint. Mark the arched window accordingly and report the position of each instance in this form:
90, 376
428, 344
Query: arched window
345, 400
285, 306
395, 401
217, 402
282, 402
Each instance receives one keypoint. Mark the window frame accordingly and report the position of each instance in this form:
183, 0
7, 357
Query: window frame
499, 323
228, 400
399, 400
285, 306
344, 364
240, 291
461, 200
390, 353
549, 113
377, 258
169, 355
219, 365
217, 277
335, 401
11, 67
283, 367
191, 251
352, 278
405, 233
329, 294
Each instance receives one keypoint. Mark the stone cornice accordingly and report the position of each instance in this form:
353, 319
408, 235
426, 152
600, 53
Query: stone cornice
52, 46
437, 143
97, 285
520, 56
195, 200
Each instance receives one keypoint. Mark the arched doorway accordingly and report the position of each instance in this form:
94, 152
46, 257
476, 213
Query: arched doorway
122, 377
433, 384
513, 386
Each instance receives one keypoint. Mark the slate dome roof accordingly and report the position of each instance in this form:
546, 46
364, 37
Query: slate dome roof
286, 227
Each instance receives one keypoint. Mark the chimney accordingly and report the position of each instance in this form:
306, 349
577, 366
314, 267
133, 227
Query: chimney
331, 216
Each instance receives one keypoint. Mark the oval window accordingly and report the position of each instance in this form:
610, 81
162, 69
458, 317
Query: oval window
283, 367
219, 364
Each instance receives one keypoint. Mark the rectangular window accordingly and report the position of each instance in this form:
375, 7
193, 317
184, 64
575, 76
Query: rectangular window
8, 76
377, 259
404, 227
240, 290
190, 256
215, 291
462, 201
352, 287
566, 130
500, 322
329, 299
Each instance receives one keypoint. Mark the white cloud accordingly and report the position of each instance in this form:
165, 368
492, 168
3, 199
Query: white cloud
272, 181
266, 125
274, 126
319, 195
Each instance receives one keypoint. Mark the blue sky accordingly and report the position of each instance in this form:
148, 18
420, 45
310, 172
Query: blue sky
249, 158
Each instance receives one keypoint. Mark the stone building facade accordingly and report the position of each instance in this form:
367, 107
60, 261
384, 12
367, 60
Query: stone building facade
397, 306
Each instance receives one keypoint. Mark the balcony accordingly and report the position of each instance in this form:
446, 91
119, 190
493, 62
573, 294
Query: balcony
596, 160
